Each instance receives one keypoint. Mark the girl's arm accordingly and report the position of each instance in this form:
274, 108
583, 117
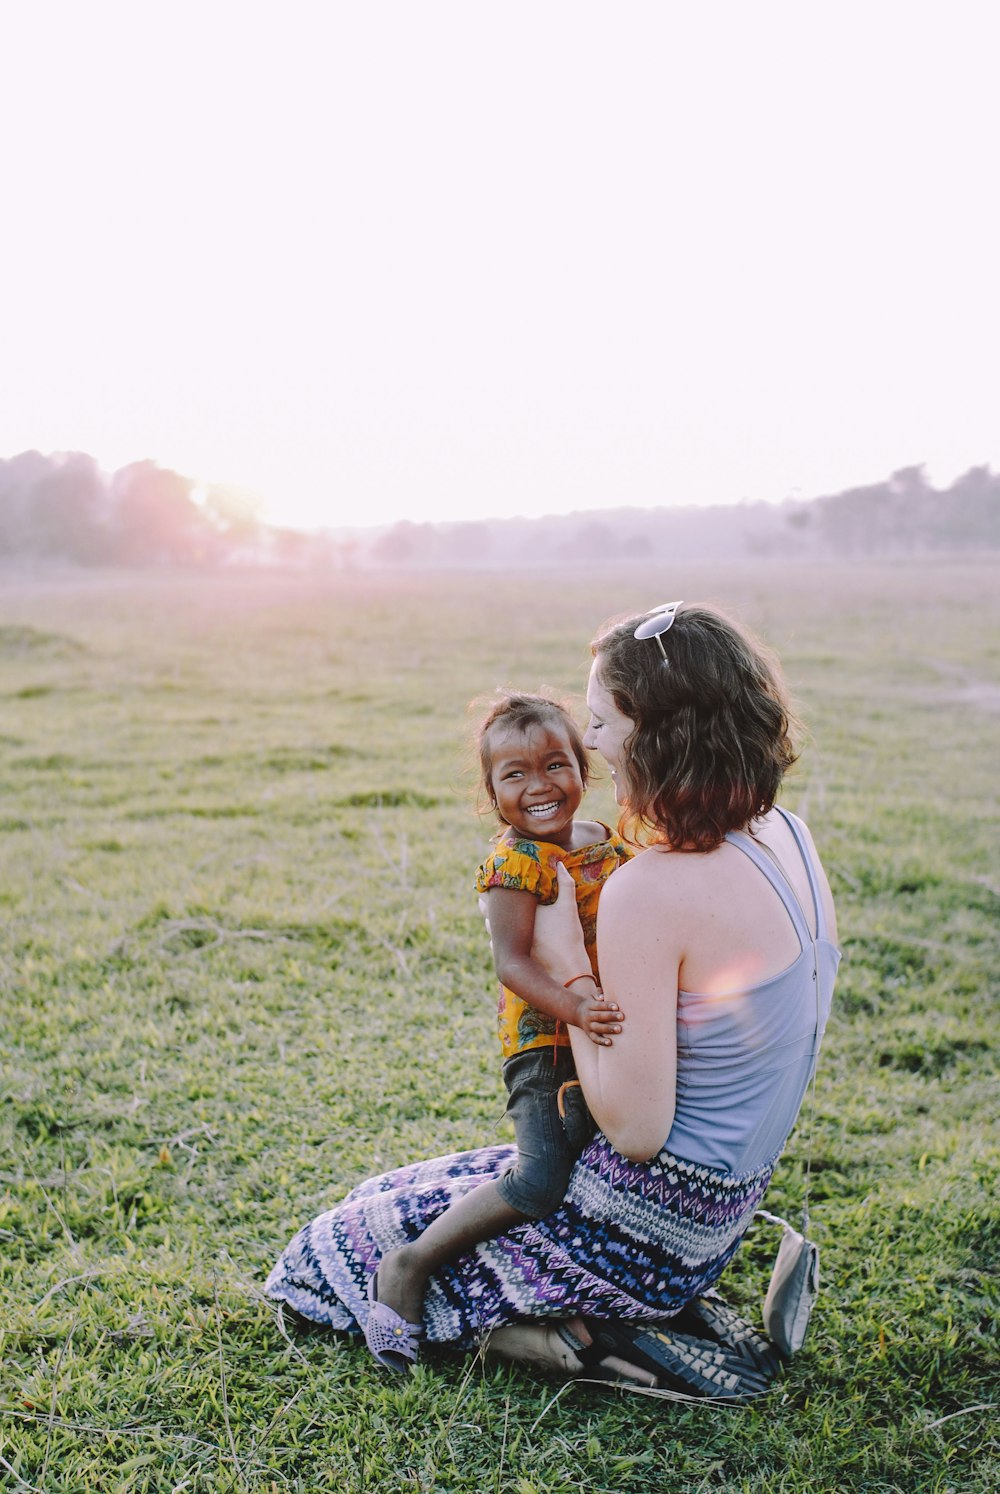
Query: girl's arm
630, 1088
511, 916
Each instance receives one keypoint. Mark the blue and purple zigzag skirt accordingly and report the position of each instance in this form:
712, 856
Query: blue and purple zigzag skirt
630, 1240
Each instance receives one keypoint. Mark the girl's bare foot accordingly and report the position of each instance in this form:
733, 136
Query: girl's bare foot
402, 1283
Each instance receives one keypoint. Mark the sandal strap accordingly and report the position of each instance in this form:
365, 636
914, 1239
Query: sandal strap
569, 1338
388, 1333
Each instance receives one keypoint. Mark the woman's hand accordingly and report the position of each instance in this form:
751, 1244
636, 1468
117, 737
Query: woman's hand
558, 941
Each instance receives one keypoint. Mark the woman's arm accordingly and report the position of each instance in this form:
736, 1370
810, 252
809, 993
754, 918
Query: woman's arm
630, 1087
511, 915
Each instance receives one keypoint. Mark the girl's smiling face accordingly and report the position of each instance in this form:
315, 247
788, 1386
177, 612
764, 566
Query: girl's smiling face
535, 781
608, 731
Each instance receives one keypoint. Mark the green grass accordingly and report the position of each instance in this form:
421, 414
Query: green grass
241, 968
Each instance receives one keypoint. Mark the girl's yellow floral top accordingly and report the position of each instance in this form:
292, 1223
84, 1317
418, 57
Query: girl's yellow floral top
530, 866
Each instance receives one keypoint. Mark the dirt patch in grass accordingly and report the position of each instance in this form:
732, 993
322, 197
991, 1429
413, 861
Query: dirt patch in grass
962, 687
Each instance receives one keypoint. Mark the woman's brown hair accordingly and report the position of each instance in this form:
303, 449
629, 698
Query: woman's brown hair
713, 726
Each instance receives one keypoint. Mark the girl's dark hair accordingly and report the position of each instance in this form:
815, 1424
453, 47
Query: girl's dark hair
511, 710
713, 726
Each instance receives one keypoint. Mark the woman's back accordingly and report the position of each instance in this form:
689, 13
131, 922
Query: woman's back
746, 1041
703, 952
737, 930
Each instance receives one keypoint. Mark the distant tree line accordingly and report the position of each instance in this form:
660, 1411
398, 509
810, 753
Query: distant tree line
906, 516
64, 508
902, 516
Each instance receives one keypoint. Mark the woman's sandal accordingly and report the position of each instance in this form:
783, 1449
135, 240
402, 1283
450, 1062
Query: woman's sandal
709, 1317
681, 1362
392, 1340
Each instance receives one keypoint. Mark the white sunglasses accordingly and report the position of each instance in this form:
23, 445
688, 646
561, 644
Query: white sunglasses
659, 621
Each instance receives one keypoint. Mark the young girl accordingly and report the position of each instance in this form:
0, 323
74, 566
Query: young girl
534, 771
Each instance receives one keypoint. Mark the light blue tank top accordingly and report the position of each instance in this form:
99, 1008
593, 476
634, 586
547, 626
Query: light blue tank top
745, 1058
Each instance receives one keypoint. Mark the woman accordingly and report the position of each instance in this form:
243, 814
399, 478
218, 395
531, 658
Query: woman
717, 944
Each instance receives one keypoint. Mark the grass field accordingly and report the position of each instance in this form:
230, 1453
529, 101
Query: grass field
241, 968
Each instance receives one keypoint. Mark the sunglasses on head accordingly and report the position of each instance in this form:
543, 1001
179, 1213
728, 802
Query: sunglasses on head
659, 621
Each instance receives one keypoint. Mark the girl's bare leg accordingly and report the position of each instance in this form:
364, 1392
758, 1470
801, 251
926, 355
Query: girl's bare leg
403, 1273
481, 1215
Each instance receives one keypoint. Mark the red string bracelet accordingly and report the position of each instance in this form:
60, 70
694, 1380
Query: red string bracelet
584, 975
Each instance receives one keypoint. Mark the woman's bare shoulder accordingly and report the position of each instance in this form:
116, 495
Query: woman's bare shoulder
652, 875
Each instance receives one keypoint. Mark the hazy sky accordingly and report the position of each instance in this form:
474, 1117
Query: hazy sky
439, 258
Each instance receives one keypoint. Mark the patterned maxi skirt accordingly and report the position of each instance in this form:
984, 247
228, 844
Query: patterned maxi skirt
630, 1240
